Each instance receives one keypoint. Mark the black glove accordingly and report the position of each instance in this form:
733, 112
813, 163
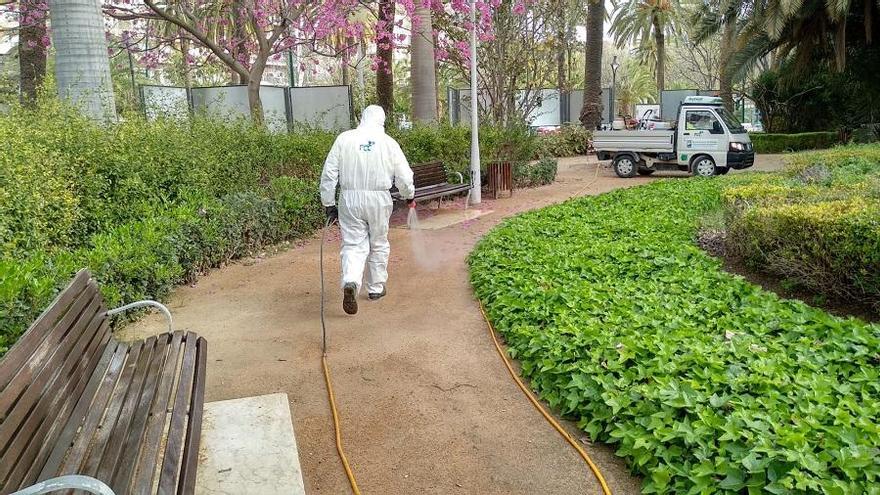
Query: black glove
332, 214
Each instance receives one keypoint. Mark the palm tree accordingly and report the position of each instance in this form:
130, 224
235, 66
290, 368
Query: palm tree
82, 66
635, 85
591, 113
646, 23
422, 67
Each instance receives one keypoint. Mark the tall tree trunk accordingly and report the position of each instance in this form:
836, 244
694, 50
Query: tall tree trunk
184, 64
239, 51
437, 80
32, 51
869, 22
422, 67
728, 42
82, 66
660, 45
385, 54
561, 43
840, 45
591, 113
346, 62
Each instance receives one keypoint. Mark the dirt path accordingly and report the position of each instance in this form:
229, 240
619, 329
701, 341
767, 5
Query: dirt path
426, 404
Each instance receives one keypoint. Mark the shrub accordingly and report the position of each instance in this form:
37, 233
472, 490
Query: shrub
704, 382
779, 143
540, 173
568, 140
817, 224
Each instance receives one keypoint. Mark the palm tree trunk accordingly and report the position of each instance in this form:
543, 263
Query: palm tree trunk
840, 45
591, 113
422, 75
725, 78
660, 45
385, 54
82, 66
32, 51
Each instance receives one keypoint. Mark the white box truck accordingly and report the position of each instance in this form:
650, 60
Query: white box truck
705, 140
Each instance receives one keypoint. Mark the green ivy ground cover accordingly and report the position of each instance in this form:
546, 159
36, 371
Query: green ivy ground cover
704, 382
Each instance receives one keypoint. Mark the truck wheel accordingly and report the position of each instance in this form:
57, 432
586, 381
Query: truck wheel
646, 171
704, 166
624, 166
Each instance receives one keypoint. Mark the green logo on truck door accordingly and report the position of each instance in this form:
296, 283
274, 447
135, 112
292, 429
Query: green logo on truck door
684, 158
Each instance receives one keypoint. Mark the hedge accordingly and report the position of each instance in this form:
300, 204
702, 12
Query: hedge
704, 382
817, 224
780, 143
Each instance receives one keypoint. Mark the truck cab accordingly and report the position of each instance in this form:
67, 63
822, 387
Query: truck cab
705, 140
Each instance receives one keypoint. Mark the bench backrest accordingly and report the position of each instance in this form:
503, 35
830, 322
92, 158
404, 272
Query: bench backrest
429, 174
44, 374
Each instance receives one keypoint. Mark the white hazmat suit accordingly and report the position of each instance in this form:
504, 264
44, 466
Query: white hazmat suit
365, 162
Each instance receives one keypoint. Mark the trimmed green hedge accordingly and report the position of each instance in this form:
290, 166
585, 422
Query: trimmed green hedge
817, 224
704, 382
780, 143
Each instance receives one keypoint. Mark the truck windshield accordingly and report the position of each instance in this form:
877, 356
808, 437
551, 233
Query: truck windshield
731, 121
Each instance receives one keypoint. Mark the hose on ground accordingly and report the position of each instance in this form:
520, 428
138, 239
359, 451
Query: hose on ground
568, 438
336, 428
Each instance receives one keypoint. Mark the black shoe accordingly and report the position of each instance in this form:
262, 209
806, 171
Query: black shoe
349, 299
375, 296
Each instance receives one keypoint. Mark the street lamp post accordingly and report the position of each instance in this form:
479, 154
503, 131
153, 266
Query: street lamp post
475, 121
614, 66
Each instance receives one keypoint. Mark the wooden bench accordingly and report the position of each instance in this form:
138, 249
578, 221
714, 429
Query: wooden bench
432, 182
75, 401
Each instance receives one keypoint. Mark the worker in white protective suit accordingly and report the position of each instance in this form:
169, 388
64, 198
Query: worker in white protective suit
365, 163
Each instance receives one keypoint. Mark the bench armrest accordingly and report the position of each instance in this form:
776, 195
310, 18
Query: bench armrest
74, 481
141, 304
460, 177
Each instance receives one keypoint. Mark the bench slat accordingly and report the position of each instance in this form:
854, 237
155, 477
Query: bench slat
174, 446
52, 466
132, 394
100, 442
131, 446
143, 479
194, 427
78, 450
18, 355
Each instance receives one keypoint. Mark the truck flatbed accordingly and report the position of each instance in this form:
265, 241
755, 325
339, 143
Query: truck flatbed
637, 141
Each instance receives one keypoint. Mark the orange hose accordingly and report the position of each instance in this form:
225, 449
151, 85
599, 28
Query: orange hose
593, 467
348, 471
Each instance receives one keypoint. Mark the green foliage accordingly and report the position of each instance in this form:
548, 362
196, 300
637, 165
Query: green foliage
817, 225
704, 382
540, 173
568, 140
780, 143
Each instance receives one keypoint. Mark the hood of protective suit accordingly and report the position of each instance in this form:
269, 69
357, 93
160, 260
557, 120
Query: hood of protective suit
373, 117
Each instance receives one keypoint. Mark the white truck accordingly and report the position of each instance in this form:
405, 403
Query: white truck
705, 140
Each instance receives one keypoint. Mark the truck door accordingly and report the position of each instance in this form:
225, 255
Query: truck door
703, 132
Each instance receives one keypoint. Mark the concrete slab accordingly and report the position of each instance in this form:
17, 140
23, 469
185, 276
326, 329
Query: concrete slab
447, 218
248, 446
